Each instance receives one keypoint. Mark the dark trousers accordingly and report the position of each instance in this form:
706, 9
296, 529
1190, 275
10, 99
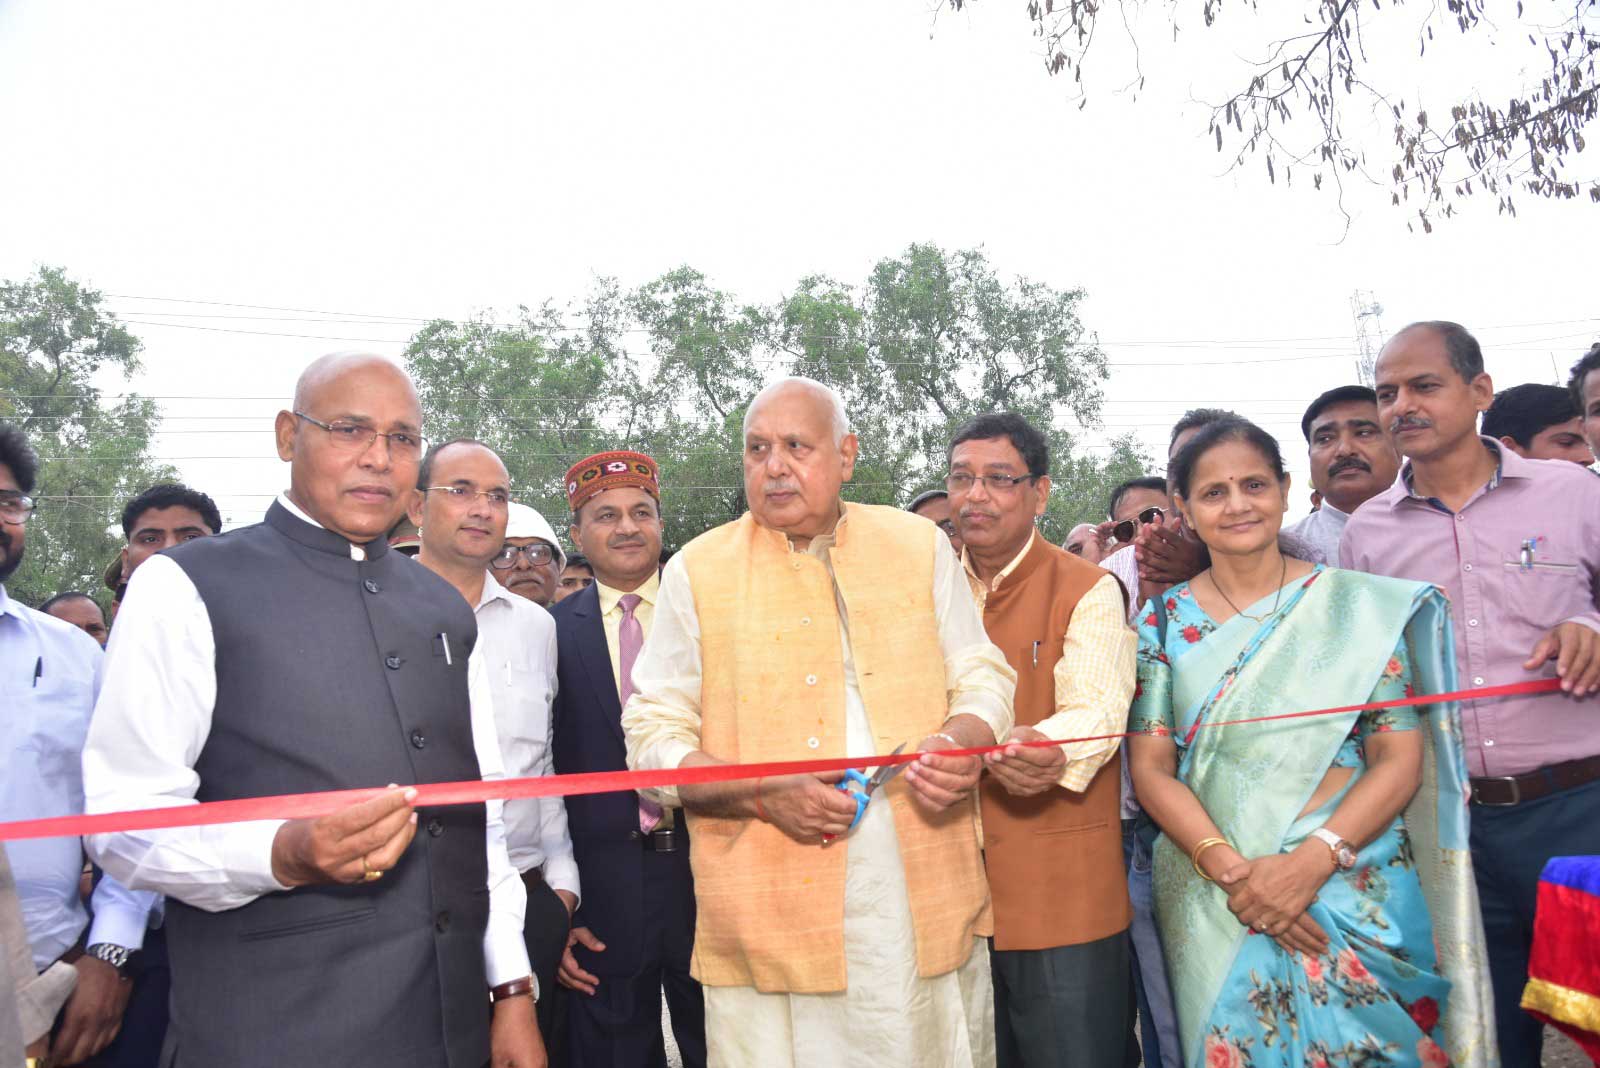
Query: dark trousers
620, 1026
1509, 848
1061, 1007
544, 931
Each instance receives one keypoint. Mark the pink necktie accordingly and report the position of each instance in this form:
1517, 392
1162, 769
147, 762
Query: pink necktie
630, 639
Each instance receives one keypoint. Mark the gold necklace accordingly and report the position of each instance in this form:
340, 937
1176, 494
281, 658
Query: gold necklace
1282, 577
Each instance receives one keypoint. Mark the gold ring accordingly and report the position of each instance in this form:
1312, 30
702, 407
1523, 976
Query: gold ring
368, 875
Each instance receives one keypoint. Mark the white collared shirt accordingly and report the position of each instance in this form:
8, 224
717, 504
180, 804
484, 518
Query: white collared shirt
517, 643
152, 721
1320, 532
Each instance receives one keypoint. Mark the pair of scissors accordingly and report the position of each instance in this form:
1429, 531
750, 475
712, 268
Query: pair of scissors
868, 786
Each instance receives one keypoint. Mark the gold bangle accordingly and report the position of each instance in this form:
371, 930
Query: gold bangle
1203, 845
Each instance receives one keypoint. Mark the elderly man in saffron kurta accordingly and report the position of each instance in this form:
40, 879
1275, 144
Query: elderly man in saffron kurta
1052, 836
812, 628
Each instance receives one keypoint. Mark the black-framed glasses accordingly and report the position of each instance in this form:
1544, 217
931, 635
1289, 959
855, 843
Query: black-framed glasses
961, 481
1125, 530
536, 552
16, 508
948, 526
356, 437
497, 498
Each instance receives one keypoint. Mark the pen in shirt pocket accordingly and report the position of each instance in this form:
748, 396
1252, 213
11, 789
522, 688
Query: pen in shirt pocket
1035, 654
38, 671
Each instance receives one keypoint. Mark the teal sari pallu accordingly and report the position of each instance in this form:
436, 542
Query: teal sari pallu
1393, 988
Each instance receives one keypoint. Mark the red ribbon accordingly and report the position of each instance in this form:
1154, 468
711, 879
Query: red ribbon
476, 791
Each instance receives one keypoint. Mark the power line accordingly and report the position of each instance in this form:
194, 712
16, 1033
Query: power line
1326, 353
346, 316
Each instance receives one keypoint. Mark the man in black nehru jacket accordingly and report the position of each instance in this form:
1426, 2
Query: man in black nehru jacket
301, 654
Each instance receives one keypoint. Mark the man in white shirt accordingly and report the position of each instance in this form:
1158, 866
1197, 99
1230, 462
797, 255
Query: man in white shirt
49, 672
460, 508
1352, 461
295, 655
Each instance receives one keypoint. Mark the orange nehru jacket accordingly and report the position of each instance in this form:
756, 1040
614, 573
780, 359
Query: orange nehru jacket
1055, 859
770, 910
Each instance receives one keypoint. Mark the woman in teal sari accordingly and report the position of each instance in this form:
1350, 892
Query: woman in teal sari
1308, 868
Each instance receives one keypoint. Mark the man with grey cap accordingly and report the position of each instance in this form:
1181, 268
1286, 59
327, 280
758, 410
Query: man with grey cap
530, 562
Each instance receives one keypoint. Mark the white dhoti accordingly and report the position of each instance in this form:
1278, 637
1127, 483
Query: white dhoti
889, 1017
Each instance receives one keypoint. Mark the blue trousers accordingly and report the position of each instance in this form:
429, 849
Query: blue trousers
1509, 848
1158, 1019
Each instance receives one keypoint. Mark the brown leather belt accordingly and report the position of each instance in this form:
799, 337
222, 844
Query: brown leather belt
1504, 790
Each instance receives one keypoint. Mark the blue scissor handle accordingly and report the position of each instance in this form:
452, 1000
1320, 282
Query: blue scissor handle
853, 778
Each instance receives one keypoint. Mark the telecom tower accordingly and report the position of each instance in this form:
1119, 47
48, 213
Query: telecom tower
1367, 313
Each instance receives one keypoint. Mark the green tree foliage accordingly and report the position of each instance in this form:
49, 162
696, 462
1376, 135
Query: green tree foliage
55, 344
930, 339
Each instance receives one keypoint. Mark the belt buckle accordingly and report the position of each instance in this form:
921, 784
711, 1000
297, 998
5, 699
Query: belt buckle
1516, 791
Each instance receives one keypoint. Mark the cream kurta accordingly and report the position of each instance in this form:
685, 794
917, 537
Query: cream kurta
889, 1016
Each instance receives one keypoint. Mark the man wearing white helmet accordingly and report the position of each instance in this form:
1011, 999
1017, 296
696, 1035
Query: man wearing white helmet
530, 563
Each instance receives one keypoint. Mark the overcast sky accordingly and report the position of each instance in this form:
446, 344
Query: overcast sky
421, 160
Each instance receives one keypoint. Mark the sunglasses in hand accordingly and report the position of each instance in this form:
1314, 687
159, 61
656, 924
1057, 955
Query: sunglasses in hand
1124, 531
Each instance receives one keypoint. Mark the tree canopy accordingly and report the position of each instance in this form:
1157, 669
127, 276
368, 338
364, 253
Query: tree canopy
929, 339
55, 342
1302, 102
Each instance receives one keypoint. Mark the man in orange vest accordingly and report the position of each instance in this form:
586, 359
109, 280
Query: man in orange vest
814, 628
1051, 816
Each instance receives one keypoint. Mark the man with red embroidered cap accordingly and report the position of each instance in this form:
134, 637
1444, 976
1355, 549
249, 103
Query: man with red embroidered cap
633, 934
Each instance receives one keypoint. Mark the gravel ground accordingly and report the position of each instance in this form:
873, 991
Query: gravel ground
1559, 1050
675, 1059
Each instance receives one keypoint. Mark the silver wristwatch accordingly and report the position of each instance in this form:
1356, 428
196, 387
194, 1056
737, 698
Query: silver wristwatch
1344, 855
114, 955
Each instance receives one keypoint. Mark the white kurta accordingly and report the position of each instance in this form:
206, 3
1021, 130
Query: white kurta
889, 1016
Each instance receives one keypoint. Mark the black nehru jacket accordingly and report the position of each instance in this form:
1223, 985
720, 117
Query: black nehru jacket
331, 674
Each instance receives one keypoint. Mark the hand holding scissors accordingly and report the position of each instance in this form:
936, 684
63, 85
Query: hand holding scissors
868, 787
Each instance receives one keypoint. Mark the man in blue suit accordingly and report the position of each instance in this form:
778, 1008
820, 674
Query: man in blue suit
634, 931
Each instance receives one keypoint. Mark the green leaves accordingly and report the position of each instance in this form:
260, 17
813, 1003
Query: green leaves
54, 338
929, 339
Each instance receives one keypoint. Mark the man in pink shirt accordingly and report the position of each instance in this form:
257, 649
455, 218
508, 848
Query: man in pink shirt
1516, 545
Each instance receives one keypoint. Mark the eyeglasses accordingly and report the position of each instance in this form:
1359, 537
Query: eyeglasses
1125, 530
16, 508
462, 494
947, 526
354, 437
961, 482
537, 553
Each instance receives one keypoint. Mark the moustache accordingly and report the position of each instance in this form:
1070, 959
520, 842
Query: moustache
625, 543
968, 513
1407, 422
1349, 463
779, 487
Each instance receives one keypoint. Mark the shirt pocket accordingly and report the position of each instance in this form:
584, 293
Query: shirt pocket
524, 721
52, 745
1551, 588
